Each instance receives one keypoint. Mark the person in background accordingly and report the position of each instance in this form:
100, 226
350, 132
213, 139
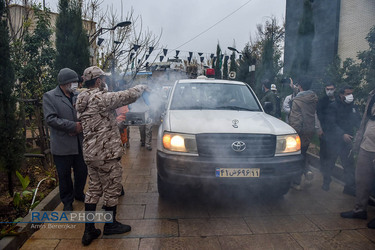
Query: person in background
287, 103
123, 128
270, 97
364, 143
145, 130
66, 137
302, 119
278, 102
102, 147
342, 119
322, 109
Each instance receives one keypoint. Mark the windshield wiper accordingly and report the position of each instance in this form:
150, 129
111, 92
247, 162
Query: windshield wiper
236, 108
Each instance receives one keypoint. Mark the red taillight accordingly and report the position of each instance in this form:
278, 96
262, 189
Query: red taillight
210, 72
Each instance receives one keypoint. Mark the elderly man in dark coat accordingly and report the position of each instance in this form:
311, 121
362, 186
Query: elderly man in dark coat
66, 137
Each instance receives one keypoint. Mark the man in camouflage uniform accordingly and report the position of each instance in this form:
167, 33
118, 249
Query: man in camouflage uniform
102, 147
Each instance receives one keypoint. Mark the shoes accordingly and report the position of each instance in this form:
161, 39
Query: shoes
115, 227
149, 148
91, 233
296, 187
142, 144
68, 207
371, 224
349, 191
127, 145
325, 186
354, 215
309, 176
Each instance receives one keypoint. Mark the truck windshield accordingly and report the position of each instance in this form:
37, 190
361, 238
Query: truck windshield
214, 96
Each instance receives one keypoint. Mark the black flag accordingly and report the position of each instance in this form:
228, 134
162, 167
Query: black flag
136, 47
202, 59
191, 55
161, 58
177, 52
147, 56
131, 56
189, 59
150, 49
212, 56
165, 51
200, 54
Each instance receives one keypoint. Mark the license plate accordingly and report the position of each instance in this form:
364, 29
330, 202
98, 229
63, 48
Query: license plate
238, 172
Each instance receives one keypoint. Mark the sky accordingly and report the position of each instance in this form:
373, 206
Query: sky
198, 25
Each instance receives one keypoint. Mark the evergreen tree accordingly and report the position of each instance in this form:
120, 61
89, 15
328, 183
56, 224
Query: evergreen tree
72, 44
225, 68
248, 59
367, 65
218, 62
306, 31
11, 140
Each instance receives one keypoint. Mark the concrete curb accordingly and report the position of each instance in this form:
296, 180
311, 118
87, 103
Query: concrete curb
49, 203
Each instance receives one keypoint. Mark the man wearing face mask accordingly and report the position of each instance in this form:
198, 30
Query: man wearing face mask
321, 110
66, 137
102, 147
342, 118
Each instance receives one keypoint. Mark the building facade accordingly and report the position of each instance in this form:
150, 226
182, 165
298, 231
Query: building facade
341, 27
19, 13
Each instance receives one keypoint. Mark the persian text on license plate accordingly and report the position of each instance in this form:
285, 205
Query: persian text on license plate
237, 172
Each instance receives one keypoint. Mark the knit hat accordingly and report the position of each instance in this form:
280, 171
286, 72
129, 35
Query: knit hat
66, 76
92, 73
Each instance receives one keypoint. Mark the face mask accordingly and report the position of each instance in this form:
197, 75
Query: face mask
330, 93
349, 99
74, 86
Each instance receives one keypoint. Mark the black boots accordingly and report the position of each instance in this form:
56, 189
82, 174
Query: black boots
115, 227
91, 233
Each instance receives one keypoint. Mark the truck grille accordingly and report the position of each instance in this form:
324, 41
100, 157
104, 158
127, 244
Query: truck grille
220, 145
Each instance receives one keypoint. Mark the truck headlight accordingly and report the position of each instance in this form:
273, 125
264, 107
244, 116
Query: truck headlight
288, 144
180, 142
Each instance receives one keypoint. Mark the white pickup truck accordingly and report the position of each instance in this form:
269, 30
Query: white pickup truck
215, 132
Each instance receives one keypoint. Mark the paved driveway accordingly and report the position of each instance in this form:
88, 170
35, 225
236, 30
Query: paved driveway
218, 219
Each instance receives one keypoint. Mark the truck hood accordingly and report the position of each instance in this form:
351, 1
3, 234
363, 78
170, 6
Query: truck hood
224, 121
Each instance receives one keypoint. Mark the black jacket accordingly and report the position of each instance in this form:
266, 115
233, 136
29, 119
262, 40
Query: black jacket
321, 111
341, 119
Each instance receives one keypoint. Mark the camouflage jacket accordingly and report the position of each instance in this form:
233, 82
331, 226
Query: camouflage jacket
96, 110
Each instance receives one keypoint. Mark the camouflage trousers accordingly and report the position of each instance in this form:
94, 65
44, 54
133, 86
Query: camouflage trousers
104, 180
